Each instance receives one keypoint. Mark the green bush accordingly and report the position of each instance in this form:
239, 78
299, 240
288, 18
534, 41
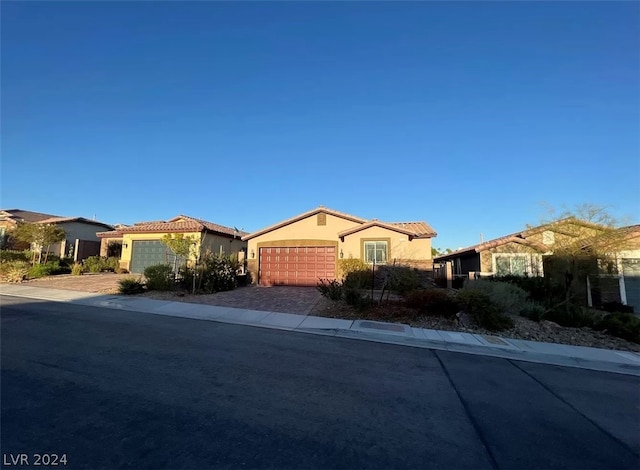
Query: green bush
159, 277
401, 279
93, 264
433, 302
216, 273
360, 279
15, 255
130, 286
539, 289
77, 269
355, 298
622, 325
533, 311
47, 269
330, 289
485, 312
572, 316
508, 297
14, 271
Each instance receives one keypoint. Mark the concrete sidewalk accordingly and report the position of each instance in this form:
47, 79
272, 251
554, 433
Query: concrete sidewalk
622, 362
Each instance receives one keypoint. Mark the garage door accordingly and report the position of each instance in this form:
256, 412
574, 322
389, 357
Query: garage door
149, 252
297, 266
631, 272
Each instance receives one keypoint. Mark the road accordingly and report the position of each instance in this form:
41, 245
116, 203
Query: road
115, 389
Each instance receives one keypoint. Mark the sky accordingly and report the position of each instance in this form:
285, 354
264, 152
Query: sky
469, 116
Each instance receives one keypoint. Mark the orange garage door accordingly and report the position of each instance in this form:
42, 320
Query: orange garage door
297, 266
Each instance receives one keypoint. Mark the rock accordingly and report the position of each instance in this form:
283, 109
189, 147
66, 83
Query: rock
464, 319
549, 325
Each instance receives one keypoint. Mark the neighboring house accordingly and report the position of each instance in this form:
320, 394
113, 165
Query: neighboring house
142, 244
518, 253
305, 248
80, 233
527, 252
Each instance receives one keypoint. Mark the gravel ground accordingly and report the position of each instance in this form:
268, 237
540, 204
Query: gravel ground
523, 329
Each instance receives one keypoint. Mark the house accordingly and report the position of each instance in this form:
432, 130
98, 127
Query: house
519, 253
305, 248
531, 252
142, 244
80, 234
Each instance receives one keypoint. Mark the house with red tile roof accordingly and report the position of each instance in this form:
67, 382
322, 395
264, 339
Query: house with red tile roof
142, 246
307, 247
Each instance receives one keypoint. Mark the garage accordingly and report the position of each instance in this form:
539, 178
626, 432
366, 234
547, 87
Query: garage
297, 266
631, 273
149, 252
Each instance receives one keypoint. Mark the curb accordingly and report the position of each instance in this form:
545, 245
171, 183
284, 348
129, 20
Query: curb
621, 362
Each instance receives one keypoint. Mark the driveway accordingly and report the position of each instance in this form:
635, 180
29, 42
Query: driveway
283, 299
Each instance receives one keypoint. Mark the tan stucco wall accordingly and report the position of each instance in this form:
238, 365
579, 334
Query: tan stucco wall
305, 229
229, 246
211, 241
400, 248
104, 244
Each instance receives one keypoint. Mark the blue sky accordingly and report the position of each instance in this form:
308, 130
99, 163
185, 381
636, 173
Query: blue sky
466, 115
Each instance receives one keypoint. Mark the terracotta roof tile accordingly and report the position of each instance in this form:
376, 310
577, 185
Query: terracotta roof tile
181, 223
421, 229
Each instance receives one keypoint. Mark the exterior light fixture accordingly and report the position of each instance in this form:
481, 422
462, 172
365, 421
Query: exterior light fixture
341, 254
253, 254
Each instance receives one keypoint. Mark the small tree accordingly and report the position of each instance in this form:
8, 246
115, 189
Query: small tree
183, 246
39, 236
586, 238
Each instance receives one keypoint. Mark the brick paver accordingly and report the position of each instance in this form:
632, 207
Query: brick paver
286, 299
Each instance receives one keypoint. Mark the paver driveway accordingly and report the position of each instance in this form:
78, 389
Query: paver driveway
286, 299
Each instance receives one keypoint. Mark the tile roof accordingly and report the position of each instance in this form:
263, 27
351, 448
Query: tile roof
58, 220
517, 237
421, 229
181, 223
413, 229
27, 216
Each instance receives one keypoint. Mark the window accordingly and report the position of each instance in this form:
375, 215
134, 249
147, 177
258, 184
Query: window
516, 265
375, 252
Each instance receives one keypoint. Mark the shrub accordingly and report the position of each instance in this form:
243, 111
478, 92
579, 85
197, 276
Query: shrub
622, 325
433, 302
508, 297
539, 289
355, 298
361, 279
93, 264
330, 289
571, 316
617, 307
47, 269
532, 311
15, 255
485, 312
130, 286
349, 265
77, 269
14, 271
216, 273
402, 279
112, 263
159, 277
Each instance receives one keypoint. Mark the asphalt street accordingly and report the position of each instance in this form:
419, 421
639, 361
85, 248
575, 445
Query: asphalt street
117, 389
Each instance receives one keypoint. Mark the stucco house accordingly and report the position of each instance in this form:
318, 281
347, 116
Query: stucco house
142, 244
305, 248
80, 233
518, 253
525, 253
